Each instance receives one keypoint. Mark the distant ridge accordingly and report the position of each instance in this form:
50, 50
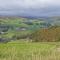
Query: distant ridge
30, 17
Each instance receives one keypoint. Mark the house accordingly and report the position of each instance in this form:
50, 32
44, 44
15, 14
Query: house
22, 28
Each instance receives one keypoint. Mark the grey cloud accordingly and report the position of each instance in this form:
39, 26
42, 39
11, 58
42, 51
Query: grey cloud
30, 7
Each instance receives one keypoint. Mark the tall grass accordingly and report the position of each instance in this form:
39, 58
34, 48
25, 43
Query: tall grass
29, 51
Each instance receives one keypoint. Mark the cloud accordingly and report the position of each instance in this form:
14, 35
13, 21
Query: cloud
29, 3
30, 7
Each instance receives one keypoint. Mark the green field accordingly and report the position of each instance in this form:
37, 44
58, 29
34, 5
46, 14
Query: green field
17, 50
18, 27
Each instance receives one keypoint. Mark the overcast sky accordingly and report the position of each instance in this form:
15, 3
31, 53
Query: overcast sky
30, 7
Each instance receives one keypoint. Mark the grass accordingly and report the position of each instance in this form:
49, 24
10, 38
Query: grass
17, 50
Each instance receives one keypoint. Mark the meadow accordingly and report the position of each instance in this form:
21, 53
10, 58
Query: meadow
17, 50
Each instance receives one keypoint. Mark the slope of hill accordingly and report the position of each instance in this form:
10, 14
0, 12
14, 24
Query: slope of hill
50, 35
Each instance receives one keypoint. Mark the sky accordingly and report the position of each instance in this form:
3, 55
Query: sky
30, 7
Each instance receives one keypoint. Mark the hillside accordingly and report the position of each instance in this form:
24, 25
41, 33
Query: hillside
47, 35
16, 28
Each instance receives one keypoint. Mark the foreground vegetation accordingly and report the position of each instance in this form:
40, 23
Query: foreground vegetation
17, 50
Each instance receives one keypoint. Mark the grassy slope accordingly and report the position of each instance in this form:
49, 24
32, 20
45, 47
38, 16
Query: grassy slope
29, 51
